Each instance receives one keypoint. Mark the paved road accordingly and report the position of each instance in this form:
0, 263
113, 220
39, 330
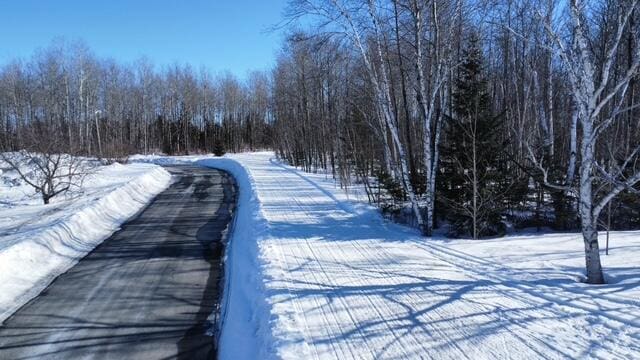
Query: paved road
145, 293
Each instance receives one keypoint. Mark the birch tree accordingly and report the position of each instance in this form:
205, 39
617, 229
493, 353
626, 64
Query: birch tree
430, 90
598, 98
353, 19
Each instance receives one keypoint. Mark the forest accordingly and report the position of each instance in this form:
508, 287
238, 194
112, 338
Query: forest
468, 116
94, 106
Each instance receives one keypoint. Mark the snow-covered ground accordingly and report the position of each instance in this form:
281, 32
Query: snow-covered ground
39, 242
314, 273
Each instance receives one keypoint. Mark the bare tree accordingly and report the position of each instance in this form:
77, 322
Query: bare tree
359, 22
430, 91
598, 98
43, 167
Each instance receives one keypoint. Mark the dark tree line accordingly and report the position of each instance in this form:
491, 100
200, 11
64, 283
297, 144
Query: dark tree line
99, 107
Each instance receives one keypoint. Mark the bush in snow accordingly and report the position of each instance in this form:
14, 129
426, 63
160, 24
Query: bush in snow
218, 149
43, 166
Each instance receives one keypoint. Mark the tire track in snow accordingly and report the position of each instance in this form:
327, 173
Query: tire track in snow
287, 216
380, 307
362, 289
364, 254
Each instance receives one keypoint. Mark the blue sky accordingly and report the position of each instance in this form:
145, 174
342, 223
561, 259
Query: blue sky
221, 35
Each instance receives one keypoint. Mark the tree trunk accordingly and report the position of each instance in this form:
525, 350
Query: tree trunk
475, 182
407, 115
427, 114
592, 254
588, 220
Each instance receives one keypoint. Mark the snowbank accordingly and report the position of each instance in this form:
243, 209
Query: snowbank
244, 310
38, 242
315, 273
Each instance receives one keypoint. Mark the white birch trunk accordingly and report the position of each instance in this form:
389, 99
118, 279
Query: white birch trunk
429, 142
382, 97
590, 99
588, 220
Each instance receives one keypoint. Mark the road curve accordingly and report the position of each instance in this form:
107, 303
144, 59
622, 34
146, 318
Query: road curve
144, 293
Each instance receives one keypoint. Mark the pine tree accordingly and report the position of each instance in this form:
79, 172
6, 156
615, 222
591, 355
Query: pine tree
218, 148
473, 166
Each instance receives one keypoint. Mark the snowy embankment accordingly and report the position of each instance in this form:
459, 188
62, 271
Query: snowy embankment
314, 274
39, 242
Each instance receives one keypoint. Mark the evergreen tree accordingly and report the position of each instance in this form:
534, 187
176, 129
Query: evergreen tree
218, 148
473, 178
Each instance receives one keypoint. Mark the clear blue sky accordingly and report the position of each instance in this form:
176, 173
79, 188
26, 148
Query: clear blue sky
219, 34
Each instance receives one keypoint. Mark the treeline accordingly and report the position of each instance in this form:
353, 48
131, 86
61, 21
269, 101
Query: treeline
474, 113
99, 107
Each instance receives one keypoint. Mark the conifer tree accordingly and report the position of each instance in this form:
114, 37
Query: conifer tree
218, 148
473, 181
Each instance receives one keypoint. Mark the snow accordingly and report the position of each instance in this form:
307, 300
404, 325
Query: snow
39, 242
313, 272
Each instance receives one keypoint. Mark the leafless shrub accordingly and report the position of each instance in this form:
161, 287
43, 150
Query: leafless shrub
44, 167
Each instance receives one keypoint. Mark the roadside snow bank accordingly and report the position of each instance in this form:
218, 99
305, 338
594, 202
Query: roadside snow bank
245, 314
38, 242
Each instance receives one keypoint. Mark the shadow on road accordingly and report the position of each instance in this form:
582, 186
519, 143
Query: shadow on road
146, 292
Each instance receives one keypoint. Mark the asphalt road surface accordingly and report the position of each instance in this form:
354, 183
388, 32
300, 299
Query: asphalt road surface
144, 293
